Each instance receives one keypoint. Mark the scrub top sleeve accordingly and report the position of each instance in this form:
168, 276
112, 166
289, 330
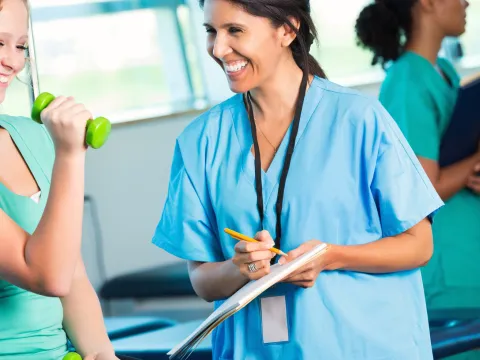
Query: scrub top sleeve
185, 227
402, 191
418, 121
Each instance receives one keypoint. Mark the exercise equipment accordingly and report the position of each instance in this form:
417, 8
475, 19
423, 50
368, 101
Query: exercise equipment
122, 326
454, 331
75, 356
97, 131
164, 281
72, 356
154, 345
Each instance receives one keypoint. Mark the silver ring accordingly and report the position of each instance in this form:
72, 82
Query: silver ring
252, 267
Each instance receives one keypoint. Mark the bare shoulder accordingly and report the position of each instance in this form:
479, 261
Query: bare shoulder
5, 139
3, 133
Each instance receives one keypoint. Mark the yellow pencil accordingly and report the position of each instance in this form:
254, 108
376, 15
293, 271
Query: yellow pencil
240, 237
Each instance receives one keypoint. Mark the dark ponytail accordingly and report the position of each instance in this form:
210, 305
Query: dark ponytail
383, 27
278, 12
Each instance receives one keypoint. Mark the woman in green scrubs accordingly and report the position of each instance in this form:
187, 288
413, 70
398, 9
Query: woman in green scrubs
45, 295
420, 91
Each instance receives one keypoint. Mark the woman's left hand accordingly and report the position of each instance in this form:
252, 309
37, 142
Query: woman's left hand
307, 275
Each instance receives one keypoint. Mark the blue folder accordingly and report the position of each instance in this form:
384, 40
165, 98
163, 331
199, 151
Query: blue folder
462, 136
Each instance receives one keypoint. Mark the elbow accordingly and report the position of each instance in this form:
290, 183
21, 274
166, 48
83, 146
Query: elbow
57, 290
199, 285
54, 286
421, 244
425, 260
203, 293
426, 253
209, 299
444, 193
211, 296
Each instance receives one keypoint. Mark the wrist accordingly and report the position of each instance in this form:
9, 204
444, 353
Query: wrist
105, 352
70, 157
235, 271
337, 257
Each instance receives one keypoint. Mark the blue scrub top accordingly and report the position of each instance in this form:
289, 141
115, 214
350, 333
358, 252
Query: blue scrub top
353, 180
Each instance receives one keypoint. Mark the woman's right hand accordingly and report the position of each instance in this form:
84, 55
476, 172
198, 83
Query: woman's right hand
66, 122
257, 254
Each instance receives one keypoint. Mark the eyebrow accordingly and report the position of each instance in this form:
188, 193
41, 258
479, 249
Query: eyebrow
23, 37
227, 25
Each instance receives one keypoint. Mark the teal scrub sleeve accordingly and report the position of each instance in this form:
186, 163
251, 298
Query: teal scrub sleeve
416, 116
186, 227
401, 189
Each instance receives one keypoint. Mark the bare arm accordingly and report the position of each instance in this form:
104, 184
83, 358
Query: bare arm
451, 179
83, 318
408, 250
216, 281
44, 262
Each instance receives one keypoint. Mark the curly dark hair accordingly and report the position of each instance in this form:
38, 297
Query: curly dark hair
278, 11
383, 27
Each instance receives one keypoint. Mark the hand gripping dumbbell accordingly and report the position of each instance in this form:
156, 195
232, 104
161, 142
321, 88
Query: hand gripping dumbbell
72, 356
97, 131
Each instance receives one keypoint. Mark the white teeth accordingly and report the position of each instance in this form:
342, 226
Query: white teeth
3, 79
236, 66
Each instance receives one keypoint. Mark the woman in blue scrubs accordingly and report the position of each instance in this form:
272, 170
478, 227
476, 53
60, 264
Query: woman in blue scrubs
298, 160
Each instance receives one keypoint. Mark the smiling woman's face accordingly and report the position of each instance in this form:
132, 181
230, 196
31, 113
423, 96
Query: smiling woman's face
248, 48
13, 40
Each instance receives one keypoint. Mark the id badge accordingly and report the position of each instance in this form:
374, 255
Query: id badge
274, 319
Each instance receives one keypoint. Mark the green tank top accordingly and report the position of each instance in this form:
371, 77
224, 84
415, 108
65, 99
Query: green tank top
30, 324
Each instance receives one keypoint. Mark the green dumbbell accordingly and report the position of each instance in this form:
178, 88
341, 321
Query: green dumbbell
72, 356
97, 132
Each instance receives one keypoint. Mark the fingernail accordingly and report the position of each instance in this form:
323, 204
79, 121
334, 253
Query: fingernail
281, 261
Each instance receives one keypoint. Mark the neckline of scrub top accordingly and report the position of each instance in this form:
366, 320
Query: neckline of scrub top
273, 173
27, 155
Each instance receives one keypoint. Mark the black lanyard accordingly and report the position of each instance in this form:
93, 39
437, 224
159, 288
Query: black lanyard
286, 165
